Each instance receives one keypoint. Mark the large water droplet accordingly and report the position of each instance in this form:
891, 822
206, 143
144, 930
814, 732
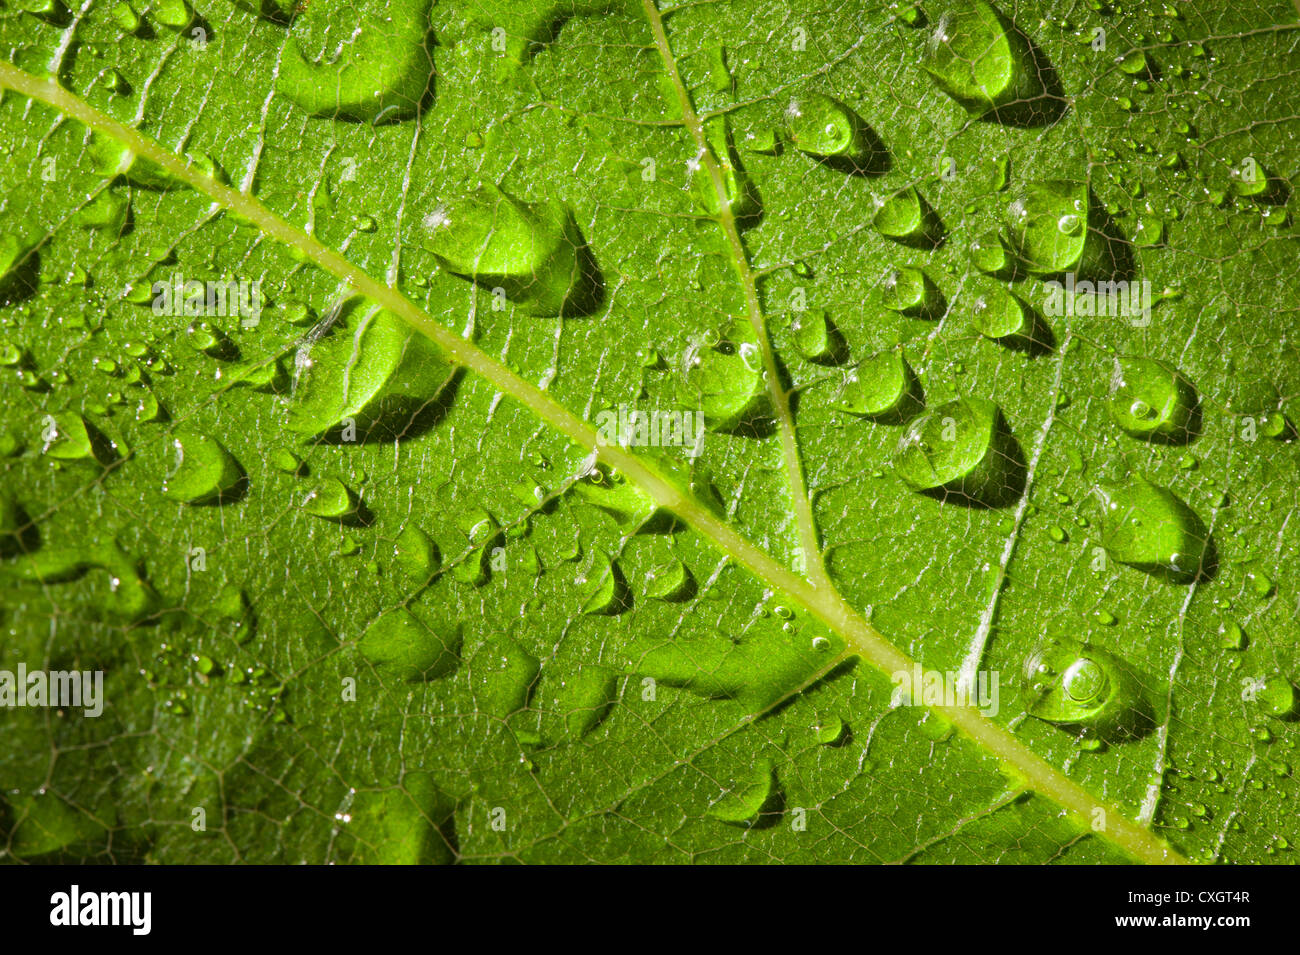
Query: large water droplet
415, 553
882, 388
406, 824
1152, 529
111, 158
1003, 316
107, 212
1077, 685
533, 252
1054, 228
376, 375
403, 648
1275, 696
907, 218
962, 448
67, 437
726, 382
581, 700
989, 254
502, 675
817, 339
673, 582
1150, 400
741, 195
602, 586
979, 58
742, 804
201, 470
826, 129
367, 66
19, 268
910, 291
331, 499
764, 665
1034, 221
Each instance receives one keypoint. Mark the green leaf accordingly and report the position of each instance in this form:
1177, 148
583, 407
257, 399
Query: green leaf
595, 431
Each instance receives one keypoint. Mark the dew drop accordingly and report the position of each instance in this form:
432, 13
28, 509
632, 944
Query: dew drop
1150, 400
402, 647
1152, 529
963, 447
201, 470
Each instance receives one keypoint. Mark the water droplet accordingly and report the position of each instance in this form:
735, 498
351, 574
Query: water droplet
201, 470
910, 291
1088, 688
725, 382
111, 158
502, 675
906, 217
1001, 315
601, 584
212, 341
980, 59
1134, 63
127, 20
817, 339
1148, 231
415, 553
963, 447
883, 388
742, 804
989, 254
672, 583
909, 14
67, 437
826, 129
1152, 529
107, 212
1261, 584
1048, 225
1151, 400
402, 647
382, 73
374, 375
583, 699
533, 252
741, 197
1275, 696
331, 499
829, 731
1231, 636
